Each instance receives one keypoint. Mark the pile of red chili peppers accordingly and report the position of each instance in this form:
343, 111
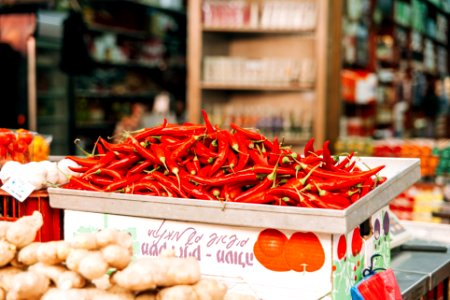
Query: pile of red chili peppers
237, 165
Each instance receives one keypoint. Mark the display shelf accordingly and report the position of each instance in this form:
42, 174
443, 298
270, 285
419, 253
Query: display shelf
256, 87
113, 95
251, 44
145, 4
134, 58
401, 173
228, 29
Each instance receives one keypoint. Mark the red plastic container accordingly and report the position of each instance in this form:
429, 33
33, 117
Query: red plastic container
11, 209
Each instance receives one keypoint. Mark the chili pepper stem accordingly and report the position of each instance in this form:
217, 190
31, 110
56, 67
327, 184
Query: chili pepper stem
77, 143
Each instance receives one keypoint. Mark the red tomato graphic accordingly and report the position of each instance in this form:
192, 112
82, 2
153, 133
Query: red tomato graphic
304, 252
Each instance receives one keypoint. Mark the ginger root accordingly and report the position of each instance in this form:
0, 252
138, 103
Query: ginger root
7, 253
28, 254
59, 275
28, 285
151, 272
23, 231
85, 294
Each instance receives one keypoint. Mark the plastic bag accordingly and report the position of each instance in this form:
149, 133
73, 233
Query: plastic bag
377, 284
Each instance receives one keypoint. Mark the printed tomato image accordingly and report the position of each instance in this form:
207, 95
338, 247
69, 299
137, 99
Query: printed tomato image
269, 248
304, 252
356, 242
342, 247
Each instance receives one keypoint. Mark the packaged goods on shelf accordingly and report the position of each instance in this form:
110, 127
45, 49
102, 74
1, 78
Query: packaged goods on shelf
286, 14
267, 71
434, 154
234, 13
289, 14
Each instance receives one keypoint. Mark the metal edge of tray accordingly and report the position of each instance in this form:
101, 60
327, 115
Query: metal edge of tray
242, 214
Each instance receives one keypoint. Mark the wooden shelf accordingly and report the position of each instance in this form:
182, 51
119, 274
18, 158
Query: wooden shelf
312, 101
99, 28
145, 4
225, 29
109, 94
256, 87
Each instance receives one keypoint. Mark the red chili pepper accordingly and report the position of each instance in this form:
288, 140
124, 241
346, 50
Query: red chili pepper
184, 131
252, 135
232, 141
113, 174
328, 161
78, 169
203, 171
269, 169
117, 185
124, 162
334, 184
167, 139
328, 174
102, 162
243, 153
173, 167
184, 148
275, 154
143, 186
256, 198
159, 153
167, 182
209, 127
83, 184
142, 151
191, 168
258, 158
145, 132
100, 181
231, 191
328, 201
343, 163
309, 148
293, 194
84, 161
139, 168
260, 187
232, 160
247, 176
195, 191
222, 153
203, 151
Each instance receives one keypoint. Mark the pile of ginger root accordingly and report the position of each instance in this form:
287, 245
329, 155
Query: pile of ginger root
95, 266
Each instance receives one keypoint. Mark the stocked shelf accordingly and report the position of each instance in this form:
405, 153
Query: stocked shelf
137, 49
257, 86
229, 29
110, 94
233, 64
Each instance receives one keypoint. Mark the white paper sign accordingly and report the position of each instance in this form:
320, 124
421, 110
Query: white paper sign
18, 188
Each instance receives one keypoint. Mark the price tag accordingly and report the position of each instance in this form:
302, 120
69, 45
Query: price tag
18, 188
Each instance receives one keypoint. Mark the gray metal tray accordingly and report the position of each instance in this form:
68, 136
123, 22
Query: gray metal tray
401, 173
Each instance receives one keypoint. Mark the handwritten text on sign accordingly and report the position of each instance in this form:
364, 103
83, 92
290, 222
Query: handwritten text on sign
224, 248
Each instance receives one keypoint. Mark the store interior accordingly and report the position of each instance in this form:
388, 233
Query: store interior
369, 77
